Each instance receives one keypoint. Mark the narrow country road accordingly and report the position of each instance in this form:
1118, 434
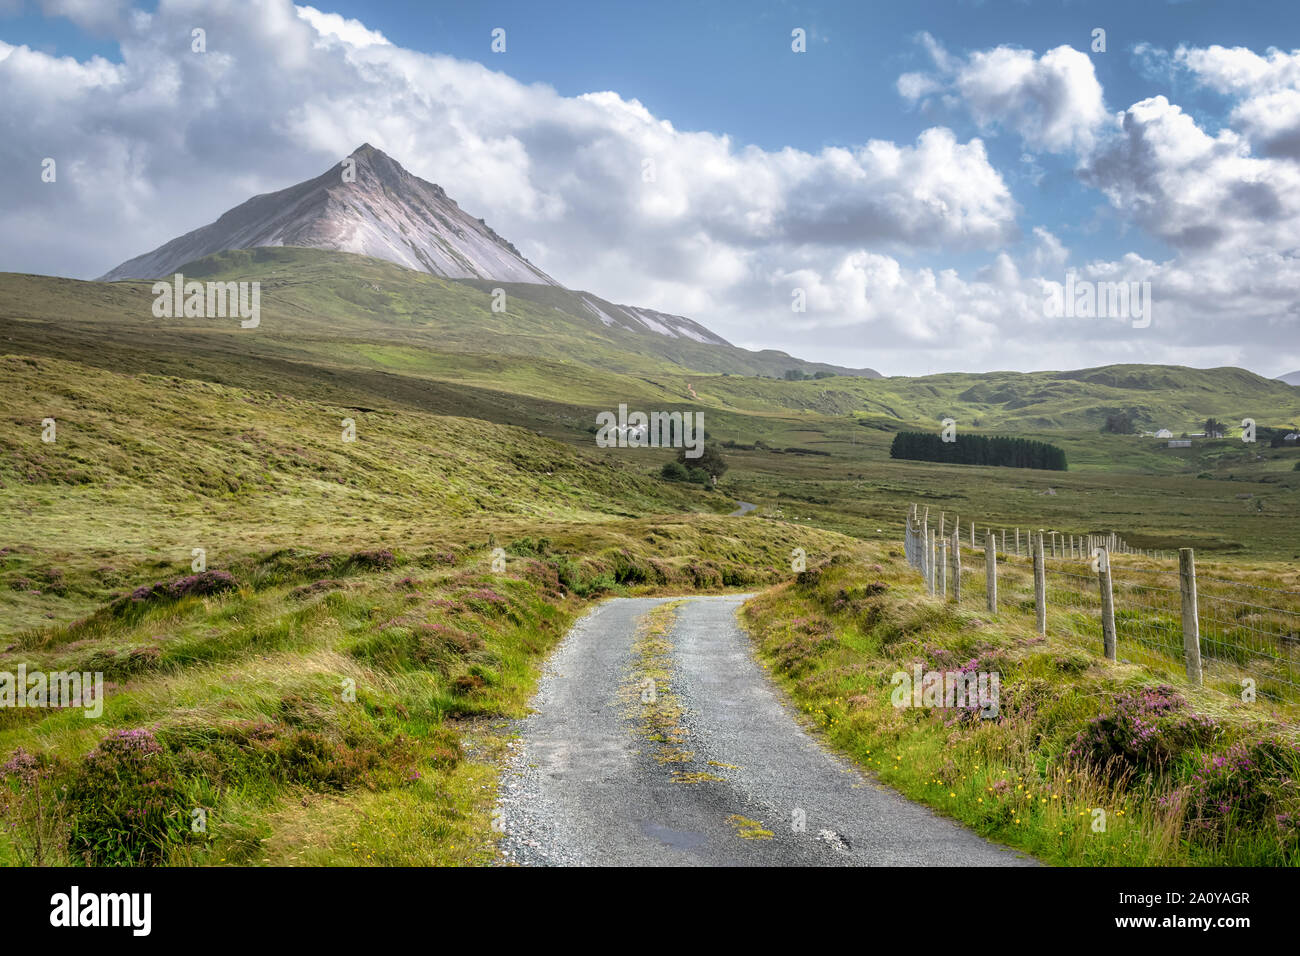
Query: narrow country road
658, 741
742, 508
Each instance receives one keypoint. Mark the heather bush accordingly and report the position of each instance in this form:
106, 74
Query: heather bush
30, 811
418, 646
1144, 732
192, 585
377, 560
125, 802
1252, 785
485, 601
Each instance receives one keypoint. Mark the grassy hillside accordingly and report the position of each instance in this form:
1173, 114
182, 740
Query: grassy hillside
341, 330
368, 564
355, 316
329, 689
146, 468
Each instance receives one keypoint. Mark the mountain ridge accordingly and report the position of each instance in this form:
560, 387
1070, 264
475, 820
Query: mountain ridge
411, 334
384, 211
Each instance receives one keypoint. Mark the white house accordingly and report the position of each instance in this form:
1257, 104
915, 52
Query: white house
1164, 433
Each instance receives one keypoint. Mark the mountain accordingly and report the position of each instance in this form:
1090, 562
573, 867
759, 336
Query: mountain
622, 317
385, 212
1291, 378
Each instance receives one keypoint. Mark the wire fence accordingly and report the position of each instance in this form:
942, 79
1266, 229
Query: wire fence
1241, 635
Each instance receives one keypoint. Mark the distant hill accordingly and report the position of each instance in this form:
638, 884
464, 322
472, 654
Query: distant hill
1291, 378
338, 326
1155, 396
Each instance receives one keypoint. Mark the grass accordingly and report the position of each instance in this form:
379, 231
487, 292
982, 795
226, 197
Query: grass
835, 637
330, 711
370, 562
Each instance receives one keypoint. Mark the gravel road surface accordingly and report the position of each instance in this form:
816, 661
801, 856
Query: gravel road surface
747, 786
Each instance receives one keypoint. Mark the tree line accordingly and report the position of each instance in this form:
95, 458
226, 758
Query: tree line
978, 450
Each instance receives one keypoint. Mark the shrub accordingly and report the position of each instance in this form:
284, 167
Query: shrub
486, 601
423, 645
1144, 732
710, 460
1249, 786
674, 471
312, 760
32, 814
528, 547
126, 803
377, 560
629, 569
544, 577
307, 590
192, 585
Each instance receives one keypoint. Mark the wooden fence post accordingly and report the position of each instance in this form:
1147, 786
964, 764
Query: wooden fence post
956, 566
1040, 582
1191, 616
925, 549
1107, 604
1017, 542
1004, 540
943, 568
931, 578
991, 570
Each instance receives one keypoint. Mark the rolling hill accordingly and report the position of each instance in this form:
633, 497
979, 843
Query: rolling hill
337, 324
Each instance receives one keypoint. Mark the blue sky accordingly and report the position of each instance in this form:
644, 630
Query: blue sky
726, 69
724, 65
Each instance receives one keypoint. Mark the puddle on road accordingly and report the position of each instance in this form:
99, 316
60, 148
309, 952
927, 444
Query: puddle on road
678, 839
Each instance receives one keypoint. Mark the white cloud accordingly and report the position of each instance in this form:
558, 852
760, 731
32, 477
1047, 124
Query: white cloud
166, 140
1196, 191
333, 25
1053, 102
169, 139
1267, 89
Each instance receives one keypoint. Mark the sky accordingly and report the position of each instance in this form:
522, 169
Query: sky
913, 187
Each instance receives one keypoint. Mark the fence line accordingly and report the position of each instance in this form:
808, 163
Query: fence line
1164, 616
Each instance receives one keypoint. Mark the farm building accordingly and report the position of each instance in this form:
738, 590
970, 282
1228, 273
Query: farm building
1164, 433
